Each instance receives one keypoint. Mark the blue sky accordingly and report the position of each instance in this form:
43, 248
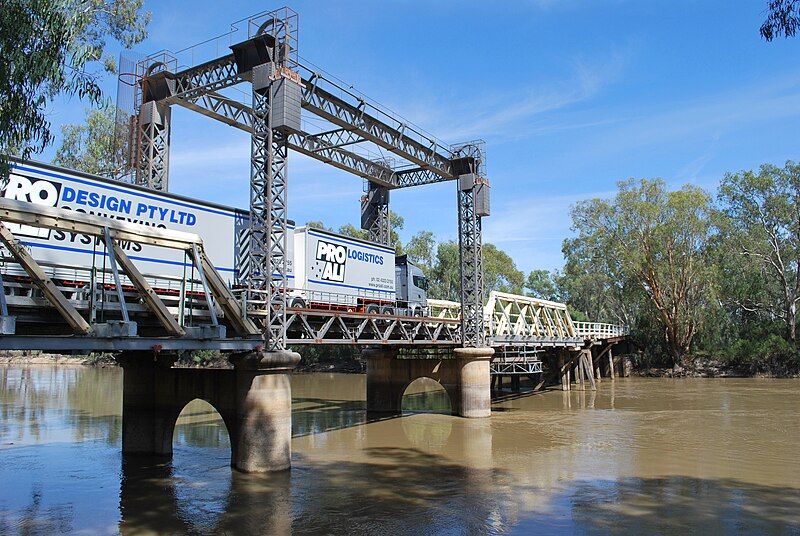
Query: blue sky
571, 96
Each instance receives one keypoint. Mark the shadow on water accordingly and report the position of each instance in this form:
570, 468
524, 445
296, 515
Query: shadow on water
312, 416
673, 505
407, 491
399, 491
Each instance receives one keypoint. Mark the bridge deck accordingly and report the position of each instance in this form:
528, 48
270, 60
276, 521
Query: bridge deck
113, 307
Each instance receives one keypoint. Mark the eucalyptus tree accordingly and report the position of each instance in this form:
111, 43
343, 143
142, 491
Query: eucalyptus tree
92, 146
783, 19
760, 226
52, 47
647, 249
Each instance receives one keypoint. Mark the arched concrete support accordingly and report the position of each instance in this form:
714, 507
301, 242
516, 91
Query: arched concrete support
464, 375
147, 415
254, 400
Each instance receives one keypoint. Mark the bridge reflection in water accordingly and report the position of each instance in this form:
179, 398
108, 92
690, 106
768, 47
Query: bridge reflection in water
613, 460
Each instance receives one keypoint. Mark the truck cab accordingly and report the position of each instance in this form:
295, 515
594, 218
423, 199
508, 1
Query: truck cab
411, 286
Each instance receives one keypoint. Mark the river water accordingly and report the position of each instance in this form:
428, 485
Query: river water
638, 456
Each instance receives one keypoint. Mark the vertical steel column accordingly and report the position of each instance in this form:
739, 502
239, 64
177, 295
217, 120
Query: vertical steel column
470, 249
268, 172
375, 217
381, 230
154, 133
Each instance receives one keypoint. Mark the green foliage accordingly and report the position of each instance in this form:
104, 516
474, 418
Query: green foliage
397, 224
420, 250
91, 146
783, 19
768, 353
444, 278
316, 224
759, 250
644, 254
543, 284
49, 47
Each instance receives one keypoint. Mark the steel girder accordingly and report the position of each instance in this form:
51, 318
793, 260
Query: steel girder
325, 147
319, 149
339, 137
471, 269
427, 154
317, 146
417, 177
204, 78
309, 326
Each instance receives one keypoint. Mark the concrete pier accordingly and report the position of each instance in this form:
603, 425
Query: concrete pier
254, 400
464, 375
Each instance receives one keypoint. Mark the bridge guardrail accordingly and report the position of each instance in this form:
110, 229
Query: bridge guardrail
600, 330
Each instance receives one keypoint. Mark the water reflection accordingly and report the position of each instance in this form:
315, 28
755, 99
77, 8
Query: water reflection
636, 456
40, 404
425, 395
159, 497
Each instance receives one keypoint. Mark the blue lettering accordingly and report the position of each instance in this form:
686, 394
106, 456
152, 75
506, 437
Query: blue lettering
81, 199
191, 219
125, 206
67, 194
94, 199
141, 208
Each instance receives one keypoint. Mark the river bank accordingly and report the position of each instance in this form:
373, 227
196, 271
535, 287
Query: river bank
698, 367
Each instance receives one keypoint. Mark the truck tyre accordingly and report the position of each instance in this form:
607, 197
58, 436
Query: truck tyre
372, 309
298, 303
417, 311
387, 310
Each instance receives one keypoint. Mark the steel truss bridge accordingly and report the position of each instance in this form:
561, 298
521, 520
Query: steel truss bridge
116, 307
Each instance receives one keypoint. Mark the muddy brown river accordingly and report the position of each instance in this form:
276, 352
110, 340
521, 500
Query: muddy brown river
638, 456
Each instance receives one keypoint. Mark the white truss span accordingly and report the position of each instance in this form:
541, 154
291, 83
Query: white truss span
521, 320
515, 320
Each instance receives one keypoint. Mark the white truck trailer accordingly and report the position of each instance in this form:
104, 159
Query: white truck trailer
338, 272
71, 256
325, 270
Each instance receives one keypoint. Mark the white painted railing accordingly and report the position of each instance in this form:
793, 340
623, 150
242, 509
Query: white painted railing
599, 330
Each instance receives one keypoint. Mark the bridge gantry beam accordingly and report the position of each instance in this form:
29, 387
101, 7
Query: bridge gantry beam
268, 60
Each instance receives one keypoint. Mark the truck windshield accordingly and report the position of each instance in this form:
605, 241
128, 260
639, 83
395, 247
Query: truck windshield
420, 282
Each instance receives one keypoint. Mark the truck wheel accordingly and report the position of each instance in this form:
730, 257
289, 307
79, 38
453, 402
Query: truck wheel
372, 309
387, 310
298, 303
417, 311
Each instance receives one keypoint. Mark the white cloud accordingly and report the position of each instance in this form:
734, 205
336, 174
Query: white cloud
513, 114
531, 228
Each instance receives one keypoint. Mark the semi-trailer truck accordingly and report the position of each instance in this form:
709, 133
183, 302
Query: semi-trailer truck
344, 273
325, 270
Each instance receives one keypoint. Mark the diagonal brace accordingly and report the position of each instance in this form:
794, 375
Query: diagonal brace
43, 281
